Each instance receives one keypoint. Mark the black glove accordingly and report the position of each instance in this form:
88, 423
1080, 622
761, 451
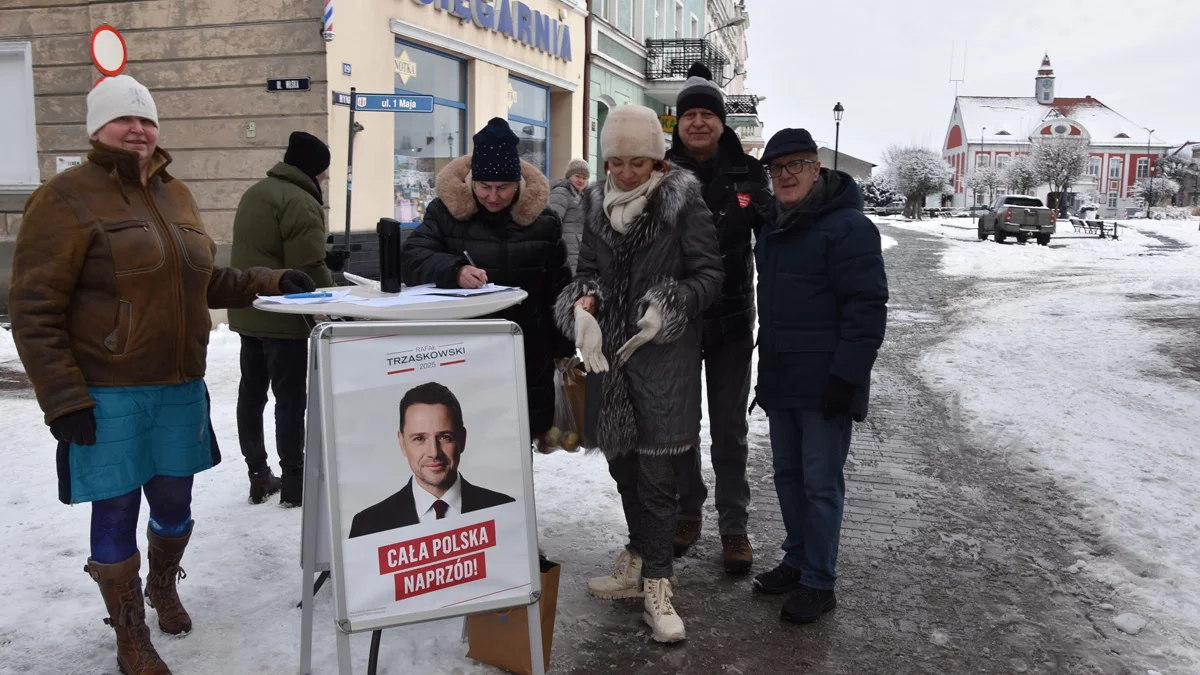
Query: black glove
336, 260
839, 394
77, 427
295, 281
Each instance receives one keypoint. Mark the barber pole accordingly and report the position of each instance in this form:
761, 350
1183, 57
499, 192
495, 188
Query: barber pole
327, 32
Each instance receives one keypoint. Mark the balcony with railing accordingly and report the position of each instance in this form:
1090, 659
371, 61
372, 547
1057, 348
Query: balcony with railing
741, 114
741, 104
668, 61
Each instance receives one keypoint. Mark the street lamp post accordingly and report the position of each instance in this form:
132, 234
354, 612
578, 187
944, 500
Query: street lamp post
1149, 174
837, 134
736, 22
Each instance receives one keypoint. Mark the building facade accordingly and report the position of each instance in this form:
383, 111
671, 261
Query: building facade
859, 169
641, 51
987, 131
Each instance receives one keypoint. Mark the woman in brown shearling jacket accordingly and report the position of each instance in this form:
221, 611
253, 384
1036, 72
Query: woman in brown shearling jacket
113, 278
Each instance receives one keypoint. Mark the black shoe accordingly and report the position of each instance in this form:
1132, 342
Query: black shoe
262, 485
808, 604
292, 494
782, 579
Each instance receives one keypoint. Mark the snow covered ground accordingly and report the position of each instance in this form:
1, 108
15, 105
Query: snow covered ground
1081, 360
243, 564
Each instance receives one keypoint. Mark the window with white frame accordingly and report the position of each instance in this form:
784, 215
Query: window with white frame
1002, 161
1112, 200
678, 19
1094, 166
660, 19
1143, 167
982, 160
1114, 168
639, 20
18, 126
695, 27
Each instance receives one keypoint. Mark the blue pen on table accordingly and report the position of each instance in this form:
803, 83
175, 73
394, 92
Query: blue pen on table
298, 296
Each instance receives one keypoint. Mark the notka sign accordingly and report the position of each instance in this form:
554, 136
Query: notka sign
514, 19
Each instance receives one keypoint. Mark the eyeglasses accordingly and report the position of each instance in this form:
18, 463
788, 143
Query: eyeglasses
794, 167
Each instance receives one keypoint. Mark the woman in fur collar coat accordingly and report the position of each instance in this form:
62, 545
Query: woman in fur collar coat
649, 266
492, 206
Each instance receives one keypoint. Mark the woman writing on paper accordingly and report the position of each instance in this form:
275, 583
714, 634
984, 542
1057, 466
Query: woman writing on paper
649, 266
490, 224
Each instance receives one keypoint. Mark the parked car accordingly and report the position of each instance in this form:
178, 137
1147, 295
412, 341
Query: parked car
893, 208
1019, 216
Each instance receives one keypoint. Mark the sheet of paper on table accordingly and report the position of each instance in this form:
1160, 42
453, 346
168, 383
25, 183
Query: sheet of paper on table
335, 296
396, 300
430, 289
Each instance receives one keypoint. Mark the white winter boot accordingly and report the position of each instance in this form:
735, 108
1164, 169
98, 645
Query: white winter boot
660, 614
624, 582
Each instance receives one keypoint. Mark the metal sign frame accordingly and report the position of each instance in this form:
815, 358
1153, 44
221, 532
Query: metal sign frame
321, 465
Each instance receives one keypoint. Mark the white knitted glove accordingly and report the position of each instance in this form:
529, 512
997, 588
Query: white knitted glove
650, 324
590, 341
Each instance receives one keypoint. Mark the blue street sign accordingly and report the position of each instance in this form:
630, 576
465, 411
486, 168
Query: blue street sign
393, 103
287, 84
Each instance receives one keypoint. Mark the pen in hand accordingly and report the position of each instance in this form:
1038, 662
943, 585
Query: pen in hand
472, 279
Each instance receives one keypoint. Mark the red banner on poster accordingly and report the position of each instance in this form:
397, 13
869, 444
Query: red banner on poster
442, 575
436, 548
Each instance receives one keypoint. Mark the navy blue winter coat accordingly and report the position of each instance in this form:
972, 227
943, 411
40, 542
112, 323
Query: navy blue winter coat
822, 298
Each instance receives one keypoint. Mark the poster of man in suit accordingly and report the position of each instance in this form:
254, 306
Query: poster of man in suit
432, 437
430, 455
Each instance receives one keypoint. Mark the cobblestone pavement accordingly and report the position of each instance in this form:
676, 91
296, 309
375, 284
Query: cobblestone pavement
950, 562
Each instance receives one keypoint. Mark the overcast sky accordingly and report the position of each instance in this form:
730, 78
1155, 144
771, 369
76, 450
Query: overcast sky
888, 62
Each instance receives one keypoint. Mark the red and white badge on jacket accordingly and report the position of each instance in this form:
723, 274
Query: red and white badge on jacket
743, 199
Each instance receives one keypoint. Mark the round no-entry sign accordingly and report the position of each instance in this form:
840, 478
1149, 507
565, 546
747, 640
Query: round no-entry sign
108, 50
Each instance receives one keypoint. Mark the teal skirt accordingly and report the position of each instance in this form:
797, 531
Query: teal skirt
141, 432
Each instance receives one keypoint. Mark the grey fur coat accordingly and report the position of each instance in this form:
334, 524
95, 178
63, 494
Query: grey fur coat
669, 258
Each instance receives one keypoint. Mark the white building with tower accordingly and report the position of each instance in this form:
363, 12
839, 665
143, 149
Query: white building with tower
991, 130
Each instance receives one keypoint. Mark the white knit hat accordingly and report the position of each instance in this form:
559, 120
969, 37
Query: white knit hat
117, 97
632, 131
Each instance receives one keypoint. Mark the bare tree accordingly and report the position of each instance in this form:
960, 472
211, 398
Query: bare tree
1020, 175
984, 180
917, 173
1059, 162
1156, 191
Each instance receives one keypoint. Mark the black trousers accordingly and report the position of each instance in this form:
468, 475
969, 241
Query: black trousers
281, 365
647, 487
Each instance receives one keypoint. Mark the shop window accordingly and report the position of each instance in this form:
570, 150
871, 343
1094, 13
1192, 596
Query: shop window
426, 142
529, 118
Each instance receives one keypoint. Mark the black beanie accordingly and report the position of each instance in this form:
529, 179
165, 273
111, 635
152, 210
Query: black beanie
495, 157
307, 153
699, 91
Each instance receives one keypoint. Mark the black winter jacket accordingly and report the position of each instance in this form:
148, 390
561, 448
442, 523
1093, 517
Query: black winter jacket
519, 246
734, 194
822, 298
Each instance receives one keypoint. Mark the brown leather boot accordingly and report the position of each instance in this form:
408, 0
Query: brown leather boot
121, 586
737, 554
164, 555
263, 484
686, 533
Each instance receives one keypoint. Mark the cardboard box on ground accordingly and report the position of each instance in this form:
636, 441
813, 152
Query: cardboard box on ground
501, 638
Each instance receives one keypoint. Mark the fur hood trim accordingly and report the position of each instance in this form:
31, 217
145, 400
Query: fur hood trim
453, 187
664, 209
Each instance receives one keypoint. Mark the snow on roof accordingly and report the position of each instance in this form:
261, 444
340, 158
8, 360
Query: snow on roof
1020, 116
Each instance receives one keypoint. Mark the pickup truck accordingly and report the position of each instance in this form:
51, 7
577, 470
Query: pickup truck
1020, 216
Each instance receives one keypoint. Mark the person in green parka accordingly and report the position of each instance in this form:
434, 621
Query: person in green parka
279, 223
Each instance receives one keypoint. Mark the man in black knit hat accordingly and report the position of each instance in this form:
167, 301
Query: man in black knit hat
733, 186
280, 224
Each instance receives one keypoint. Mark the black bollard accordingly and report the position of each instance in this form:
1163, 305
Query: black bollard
389, 254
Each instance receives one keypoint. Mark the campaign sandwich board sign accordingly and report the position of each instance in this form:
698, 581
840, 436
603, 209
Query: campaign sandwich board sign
428, 471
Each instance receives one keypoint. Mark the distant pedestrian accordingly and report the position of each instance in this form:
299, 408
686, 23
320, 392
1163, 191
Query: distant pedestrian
565, 195
279, 223
734, 189
822, 302
648, 268
490, 224
113, 277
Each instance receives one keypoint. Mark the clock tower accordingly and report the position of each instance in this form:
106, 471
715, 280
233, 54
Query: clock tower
1044, 84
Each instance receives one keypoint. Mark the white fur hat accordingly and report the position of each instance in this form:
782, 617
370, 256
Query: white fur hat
117, 97
632, 131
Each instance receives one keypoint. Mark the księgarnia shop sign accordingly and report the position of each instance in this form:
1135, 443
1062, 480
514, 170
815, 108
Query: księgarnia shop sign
514, 19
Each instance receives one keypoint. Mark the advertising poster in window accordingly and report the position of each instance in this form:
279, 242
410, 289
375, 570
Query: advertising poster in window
427, 446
